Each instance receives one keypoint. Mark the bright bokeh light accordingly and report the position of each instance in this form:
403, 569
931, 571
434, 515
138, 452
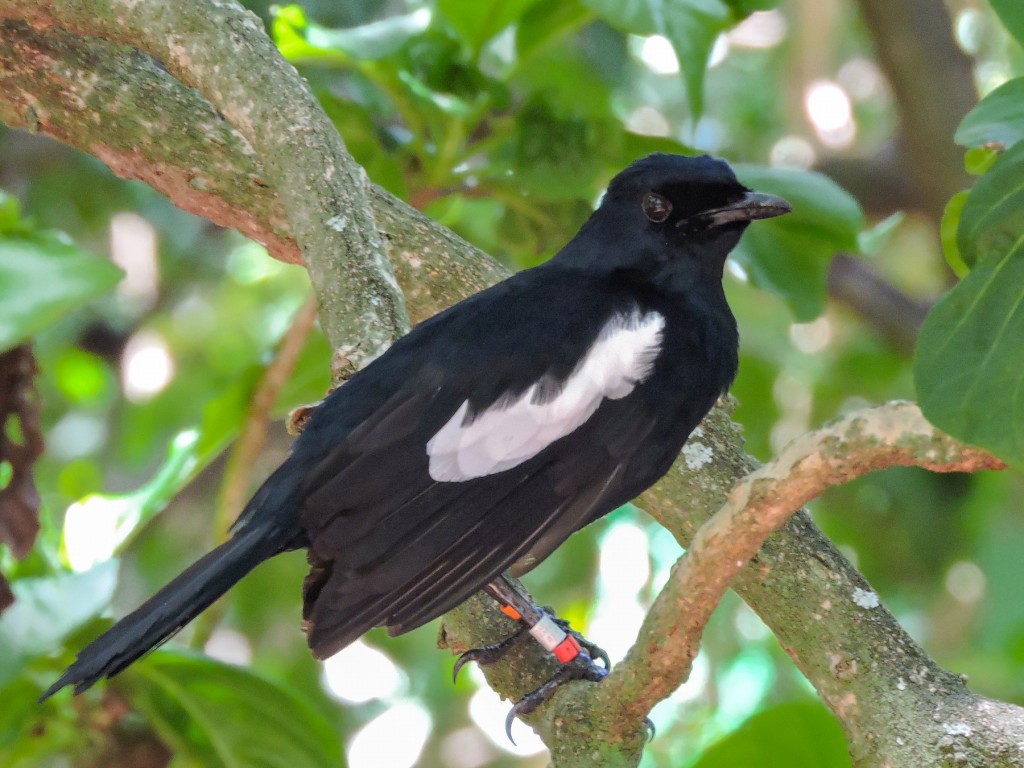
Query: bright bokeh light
360, 673
466, 748
658, 55
229, 646
393, 739
763, 29
93, 529
830, 112
146, 366
488, 713
623, 570
719, 51
133, 248
77, 434
793, 152
813, 337
862, 79
648, 121
965, 581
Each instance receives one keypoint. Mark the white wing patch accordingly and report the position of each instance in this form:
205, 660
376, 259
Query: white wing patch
514, 430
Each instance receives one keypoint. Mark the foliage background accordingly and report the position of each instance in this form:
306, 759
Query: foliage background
503, 121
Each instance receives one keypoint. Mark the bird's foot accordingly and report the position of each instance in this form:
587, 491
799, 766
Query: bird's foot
582, 667
596, 652
489, 654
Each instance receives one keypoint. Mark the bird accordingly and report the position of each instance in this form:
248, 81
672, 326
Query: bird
482, 439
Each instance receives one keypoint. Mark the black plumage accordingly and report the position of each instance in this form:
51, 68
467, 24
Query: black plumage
491, 432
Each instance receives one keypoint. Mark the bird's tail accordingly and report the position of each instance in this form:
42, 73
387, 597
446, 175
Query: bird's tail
174, 606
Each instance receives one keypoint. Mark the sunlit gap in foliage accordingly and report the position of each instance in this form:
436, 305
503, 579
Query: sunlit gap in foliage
133, 247
146, 366
763, 29
229, 646
360, 673
829, 109
793, 152
966, 582
656, 53
488, 710
467, 748
623, 571
394, 739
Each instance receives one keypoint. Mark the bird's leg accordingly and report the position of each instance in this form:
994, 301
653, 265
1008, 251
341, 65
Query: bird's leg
575, 652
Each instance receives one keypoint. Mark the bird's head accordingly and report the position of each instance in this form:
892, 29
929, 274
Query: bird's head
680, 209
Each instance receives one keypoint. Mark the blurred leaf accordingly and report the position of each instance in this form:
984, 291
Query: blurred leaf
229, 717
43, 278
796, 735
477, 21
969, 364
871, 241
789, 255
10, 215
692, 26
948, 228
1011, 12
993, 215
100, 525
300, 39
743, 8
545, 23
996, 119
979, 160
47, 610
84, 379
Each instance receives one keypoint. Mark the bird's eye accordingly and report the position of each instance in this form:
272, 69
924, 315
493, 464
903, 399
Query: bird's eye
656, 208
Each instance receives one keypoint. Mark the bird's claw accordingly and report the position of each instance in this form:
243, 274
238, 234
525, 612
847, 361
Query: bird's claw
580, 668
488, 654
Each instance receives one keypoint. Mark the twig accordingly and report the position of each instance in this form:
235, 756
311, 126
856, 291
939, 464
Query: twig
895, 434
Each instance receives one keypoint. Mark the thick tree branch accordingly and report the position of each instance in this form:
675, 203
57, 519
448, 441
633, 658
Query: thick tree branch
223, 52
891, 435
138, 117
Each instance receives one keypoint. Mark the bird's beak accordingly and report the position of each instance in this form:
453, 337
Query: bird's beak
753, 205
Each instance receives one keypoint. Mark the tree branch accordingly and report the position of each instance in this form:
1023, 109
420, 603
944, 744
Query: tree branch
70, 76
895, 434
222, 51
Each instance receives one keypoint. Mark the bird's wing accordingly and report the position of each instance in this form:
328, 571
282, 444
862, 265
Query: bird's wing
448, 482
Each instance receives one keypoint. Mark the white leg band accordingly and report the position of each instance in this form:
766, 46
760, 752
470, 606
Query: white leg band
548, 633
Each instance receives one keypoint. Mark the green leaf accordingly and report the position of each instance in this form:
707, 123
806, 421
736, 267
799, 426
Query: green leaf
948, 228
796, 735
100, 525
1011, 12
979, 160
690, 25
996, 119
969, 364
299, 39
872, 240
993, 216
789, 255
229, 717
477, 21
743, 8
47, 610
546, 23
42, 278
693, 26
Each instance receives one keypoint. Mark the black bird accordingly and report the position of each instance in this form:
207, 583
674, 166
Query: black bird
492, 431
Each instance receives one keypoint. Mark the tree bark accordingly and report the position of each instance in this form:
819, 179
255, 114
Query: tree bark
83, 73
